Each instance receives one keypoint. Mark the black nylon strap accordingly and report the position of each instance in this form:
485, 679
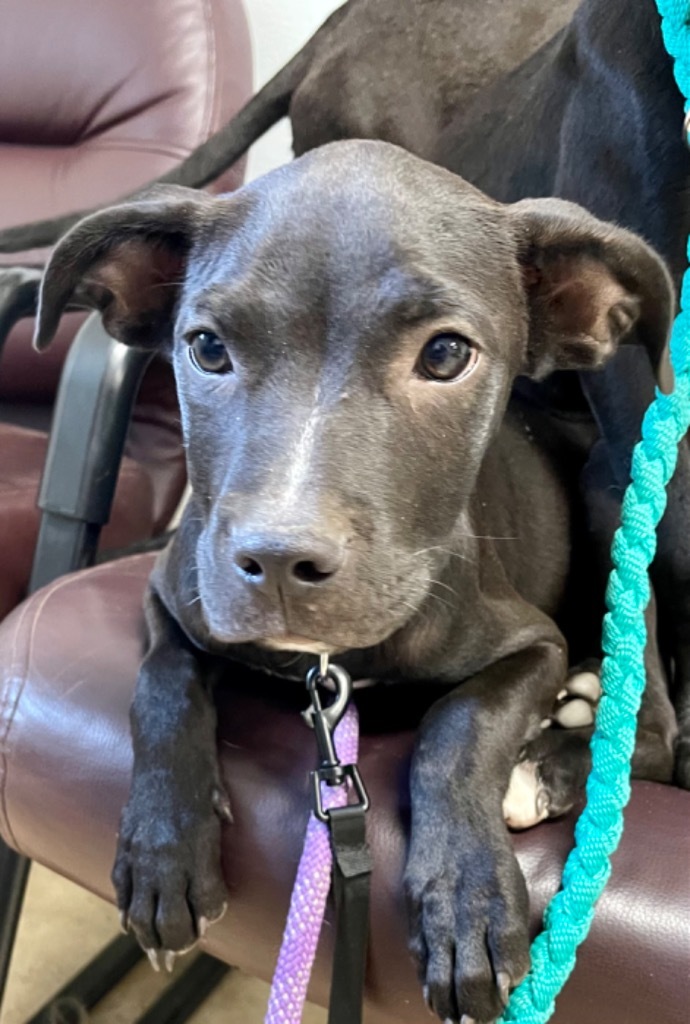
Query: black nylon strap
351, 884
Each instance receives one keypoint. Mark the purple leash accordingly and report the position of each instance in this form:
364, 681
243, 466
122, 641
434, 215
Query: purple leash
337, 733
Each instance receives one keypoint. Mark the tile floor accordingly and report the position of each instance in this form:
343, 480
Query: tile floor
62, 927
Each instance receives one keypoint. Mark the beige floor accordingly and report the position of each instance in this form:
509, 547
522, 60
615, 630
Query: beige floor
62, 927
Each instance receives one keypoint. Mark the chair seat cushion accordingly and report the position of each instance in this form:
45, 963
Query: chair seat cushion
68, 664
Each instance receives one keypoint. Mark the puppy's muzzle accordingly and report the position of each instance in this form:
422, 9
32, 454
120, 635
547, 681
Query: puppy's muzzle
287, 562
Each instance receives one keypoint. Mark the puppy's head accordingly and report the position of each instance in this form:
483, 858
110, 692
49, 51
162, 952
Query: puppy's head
345, 333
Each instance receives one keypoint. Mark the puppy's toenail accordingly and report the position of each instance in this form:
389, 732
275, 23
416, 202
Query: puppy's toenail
213, 920
503, 978
204, 922
124, 921
467, 1020
221, 805
153, 959
169, 960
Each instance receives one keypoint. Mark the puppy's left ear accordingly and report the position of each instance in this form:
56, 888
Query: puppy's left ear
588, 285
126, 261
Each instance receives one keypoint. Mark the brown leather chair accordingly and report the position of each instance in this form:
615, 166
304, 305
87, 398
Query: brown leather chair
96, 98
68, 663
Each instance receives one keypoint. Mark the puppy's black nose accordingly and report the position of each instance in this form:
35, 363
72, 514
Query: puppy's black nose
289, 561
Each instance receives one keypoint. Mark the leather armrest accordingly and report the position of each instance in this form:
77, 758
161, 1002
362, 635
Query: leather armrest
69, 660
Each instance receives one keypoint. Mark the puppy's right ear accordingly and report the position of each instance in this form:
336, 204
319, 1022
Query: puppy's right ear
125, 261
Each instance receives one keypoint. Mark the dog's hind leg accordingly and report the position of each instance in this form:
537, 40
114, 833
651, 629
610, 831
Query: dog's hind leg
550, 776
549, 779
209, 160
552, 771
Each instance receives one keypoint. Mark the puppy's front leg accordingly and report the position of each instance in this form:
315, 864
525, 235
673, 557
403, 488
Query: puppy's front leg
167, 873
466, 894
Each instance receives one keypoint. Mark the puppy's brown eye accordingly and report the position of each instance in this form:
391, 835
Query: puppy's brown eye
446, 356
208, 353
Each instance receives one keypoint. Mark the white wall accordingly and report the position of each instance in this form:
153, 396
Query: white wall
279, 28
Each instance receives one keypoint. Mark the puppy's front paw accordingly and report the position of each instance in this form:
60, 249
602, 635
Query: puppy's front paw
167, 874
469, 926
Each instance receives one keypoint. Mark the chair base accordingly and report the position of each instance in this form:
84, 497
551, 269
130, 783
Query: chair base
100, 976
14, 874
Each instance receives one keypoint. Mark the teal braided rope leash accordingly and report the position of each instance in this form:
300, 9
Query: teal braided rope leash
569, 915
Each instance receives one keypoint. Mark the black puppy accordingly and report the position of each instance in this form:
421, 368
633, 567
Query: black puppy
521, 102
345, 334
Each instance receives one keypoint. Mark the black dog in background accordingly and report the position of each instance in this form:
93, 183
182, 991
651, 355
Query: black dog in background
521, 102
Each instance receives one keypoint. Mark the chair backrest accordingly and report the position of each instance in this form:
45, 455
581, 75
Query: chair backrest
96, 98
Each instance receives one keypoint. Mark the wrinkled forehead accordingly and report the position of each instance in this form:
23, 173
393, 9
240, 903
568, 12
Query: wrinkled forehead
364, 248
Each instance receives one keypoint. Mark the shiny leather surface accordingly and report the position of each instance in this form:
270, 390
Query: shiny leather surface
99, 96
68, 662
96, 98
22, 453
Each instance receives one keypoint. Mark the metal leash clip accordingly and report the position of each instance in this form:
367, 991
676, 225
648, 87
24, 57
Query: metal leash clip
324, 721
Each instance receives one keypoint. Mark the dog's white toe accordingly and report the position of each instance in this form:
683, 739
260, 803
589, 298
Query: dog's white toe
586, 685
525, 803
575, 714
